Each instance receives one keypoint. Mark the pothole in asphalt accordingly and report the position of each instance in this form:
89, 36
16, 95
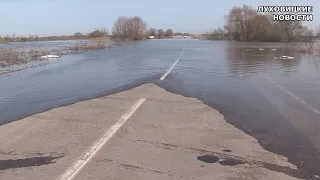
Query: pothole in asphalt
208, 158
231, 162
226, 150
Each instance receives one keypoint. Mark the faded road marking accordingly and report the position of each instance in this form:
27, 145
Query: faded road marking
13, 94
169, 70
86, 157
293, 95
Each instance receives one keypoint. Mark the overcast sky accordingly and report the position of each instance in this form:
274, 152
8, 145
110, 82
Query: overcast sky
61, 17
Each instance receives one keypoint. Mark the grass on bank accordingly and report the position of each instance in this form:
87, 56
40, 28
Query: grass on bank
23, 54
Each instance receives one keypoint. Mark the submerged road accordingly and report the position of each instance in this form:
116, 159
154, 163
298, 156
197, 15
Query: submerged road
275, 101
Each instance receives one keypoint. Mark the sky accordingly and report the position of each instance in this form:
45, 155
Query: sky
66, 17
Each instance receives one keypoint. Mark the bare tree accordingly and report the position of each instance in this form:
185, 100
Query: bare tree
160, 33
292, 30
78, 34
245, 23
169, 33
248, 15
152, 32
310, 37
139, 28
239, 22
258, 27
120, 27
129, 28
234, 23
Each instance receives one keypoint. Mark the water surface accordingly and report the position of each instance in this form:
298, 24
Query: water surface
274, 100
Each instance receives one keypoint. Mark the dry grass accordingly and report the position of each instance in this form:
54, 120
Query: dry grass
23, 54
305, 48
99, 39
86, 47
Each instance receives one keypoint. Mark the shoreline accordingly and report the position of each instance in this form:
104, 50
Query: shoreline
278, 146
34, 58
270, 141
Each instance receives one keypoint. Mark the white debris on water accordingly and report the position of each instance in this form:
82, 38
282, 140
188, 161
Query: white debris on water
273, 49
316, 176
285, 57
261, 49
49, 57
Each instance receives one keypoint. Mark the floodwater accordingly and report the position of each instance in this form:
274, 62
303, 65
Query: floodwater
276, 101
43, 43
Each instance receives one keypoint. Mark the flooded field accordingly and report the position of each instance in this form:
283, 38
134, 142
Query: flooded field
19, 55
275, 100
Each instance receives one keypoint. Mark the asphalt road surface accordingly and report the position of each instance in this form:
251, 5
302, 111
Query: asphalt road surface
275, 101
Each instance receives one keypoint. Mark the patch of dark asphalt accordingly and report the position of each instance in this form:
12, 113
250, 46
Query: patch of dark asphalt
208, 158
229, 161
27, 162
232, 159
270, 127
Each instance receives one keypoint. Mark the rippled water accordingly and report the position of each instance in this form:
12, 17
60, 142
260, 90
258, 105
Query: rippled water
226, 64
274, 100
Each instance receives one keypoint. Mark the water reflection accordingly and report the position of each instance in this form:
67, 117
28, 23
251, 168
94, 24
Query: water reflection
244, 61
313, 62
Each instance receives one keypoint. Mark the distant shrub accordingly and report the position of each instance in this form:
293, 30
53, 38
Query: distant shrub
78, 34
99, 33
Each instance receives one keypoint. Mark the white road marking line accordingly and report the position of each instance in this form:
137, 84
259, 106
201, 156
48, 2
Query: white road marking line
169, 70
86, 157
13, 94
294, 96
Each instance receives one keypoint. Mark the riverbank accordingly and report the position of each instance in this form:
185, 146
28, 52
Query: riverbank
306, 49
166, 136
23, 54
15, 55
38, 39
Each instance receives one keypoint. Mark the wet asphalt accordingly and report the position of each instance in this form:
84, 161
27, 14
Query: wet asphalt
276, 101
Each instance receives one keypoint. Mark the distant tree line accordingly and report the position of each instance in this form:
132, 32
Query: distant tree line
102, 32
13, 38
246, 24
159, 33
124, 28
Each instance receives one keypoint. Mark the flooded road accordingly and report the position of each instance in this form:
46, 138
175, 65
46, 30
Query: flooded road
276, 101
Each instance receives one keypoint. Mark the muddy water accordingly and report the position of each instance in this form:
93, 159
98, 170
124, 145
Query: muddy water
276, 101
